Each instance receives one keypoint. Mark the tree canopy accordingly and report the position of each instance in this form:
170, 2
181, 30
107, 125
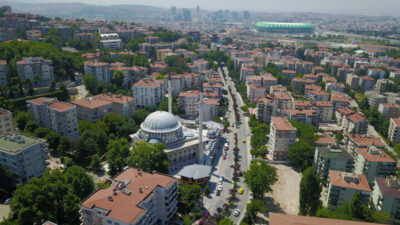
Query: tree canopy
310, 193
149, 157
188, 196
260, 177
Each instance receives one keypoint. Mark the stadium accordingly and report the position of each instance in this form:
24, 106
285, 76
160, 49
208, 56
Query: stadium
272, 27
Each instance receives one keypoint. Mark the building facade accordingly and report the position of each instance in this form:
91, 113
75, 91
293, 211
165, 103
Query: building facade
149, 92
36, 69
6, 122
100, 70
282, 135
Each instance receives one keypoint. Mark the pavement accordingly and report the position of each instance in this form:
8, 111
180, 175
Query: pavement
223, 167
4, 210
82, 92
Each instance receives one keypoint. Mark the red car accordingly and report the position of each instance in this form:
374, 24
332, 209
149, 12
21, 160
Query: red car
224, 157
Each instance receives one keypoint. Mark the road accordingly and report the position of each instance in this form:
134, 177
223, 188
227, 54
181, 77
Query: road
223, 167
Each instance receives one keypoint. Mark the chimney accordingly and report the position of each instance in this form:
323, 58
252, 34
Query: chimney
200, 157
169, 93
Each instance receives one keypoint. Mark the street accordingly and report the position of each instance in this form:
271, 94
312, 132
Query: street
223, 167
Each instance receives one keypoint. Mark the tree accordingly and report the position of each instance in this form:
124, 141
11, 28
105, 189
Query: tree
188, 196
90, 83
31, 126
65, 95
41, 132
310, 193
82, 184
364, 104
339, 137
64, 145
53, 139
8, 182
118, 79
118, 151
260, 177
55, 196
252, 209
207, 190
225, 221
149, 157
95, 164
86, 147
301, 154
300, 53
21, 119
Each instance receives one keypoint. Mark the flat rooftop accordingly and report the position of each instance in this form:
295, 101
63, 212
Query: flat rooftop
8, 145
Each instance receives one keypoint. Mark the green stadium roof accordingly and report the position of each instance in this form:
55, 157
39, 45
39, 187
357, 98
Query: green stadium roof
273, 25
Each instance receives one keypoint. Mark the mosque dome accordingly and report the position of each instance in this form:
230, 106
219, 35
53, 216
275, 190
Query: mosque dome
160, 122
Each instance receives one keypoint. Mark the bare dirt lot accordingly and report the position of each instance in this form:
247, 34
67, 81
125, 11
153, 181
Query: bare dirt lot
4, 210
285, 195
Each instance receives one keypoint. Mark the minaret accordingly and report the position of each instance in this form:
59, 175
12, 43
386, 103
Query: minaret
201, 146
169, 93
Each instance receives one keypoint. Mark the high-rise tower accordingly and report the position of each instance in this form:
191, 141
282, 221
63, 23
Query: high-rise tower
201, 144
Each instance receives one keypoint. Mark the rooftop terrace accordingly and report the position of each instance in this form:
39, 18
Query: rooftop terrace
15, 143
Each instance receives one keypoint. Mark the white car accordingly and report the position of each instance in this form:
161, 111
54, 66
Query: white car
236, 212
221, 178
219, 182
220, 188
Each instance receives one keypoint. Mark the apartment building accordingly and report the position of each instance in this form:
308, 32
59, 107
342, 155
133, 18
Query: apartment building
36, 69
339, 100
389, 110
121, 104
308, 116
385, 197
23, 155
111, 41
92, 108
354, 141
134, 198
211, 109
3, 73
289, 75
351, 121
318, 95
302, 105
191, 80
282, 135
6, 122
265, 80
325, 111
373, 162
188, 101
283, 100
255, 92
353, 81
266, 108
394, 130
298, 84
342, 186
367, 83
149, 92
100, 70
334, 87
331, 157
53, 114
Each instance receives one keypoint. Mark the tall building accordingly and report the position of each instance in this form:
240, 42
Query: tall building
6, 122
282, 135
373, 162
385, 197
36, 69
394, 130
111, 41
149, 92
331, 157
342, 186
23, 155
246, 15
3, 73
53, 114
100, 70
92, 108
187, 15
134, 198
173, 10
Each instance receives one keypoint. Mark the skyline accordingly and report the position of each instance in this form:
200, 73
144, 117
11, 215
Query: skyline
363, 7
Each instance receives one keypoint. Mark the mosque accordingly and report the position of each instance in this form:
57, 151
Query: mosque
182, 145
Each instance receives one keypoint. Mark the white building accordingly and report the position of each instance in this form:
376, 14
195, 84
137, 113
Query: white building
100, 70
58, 116
6, 122
23, 155
394, 130
36, 69
282, 135
134, 198
3, 73
149, 92
111, 41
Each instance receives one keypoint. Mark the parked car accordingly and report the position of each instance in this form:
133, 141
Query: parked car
7, 201
224, 157
221, 178
241, 191
220, 188
236, 212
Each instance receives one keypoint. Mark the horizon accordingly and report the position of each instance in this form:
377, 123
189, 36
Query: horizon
355, 7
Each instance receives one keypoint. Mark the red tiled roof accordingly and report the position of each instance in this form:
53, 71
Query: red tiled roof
302, 103
193, 93
323, 104
365, 141
336, 178
325, 139
146, 83
396, 121
282, 123
125, 208
38, 101
96, 63
61, 106
282, 96
211, 101
91, 103
120, 99
385, 190
381, 157
356, 117
345, 111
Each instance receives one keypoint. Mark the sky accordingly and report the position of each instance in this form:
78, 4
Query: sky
372, 7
